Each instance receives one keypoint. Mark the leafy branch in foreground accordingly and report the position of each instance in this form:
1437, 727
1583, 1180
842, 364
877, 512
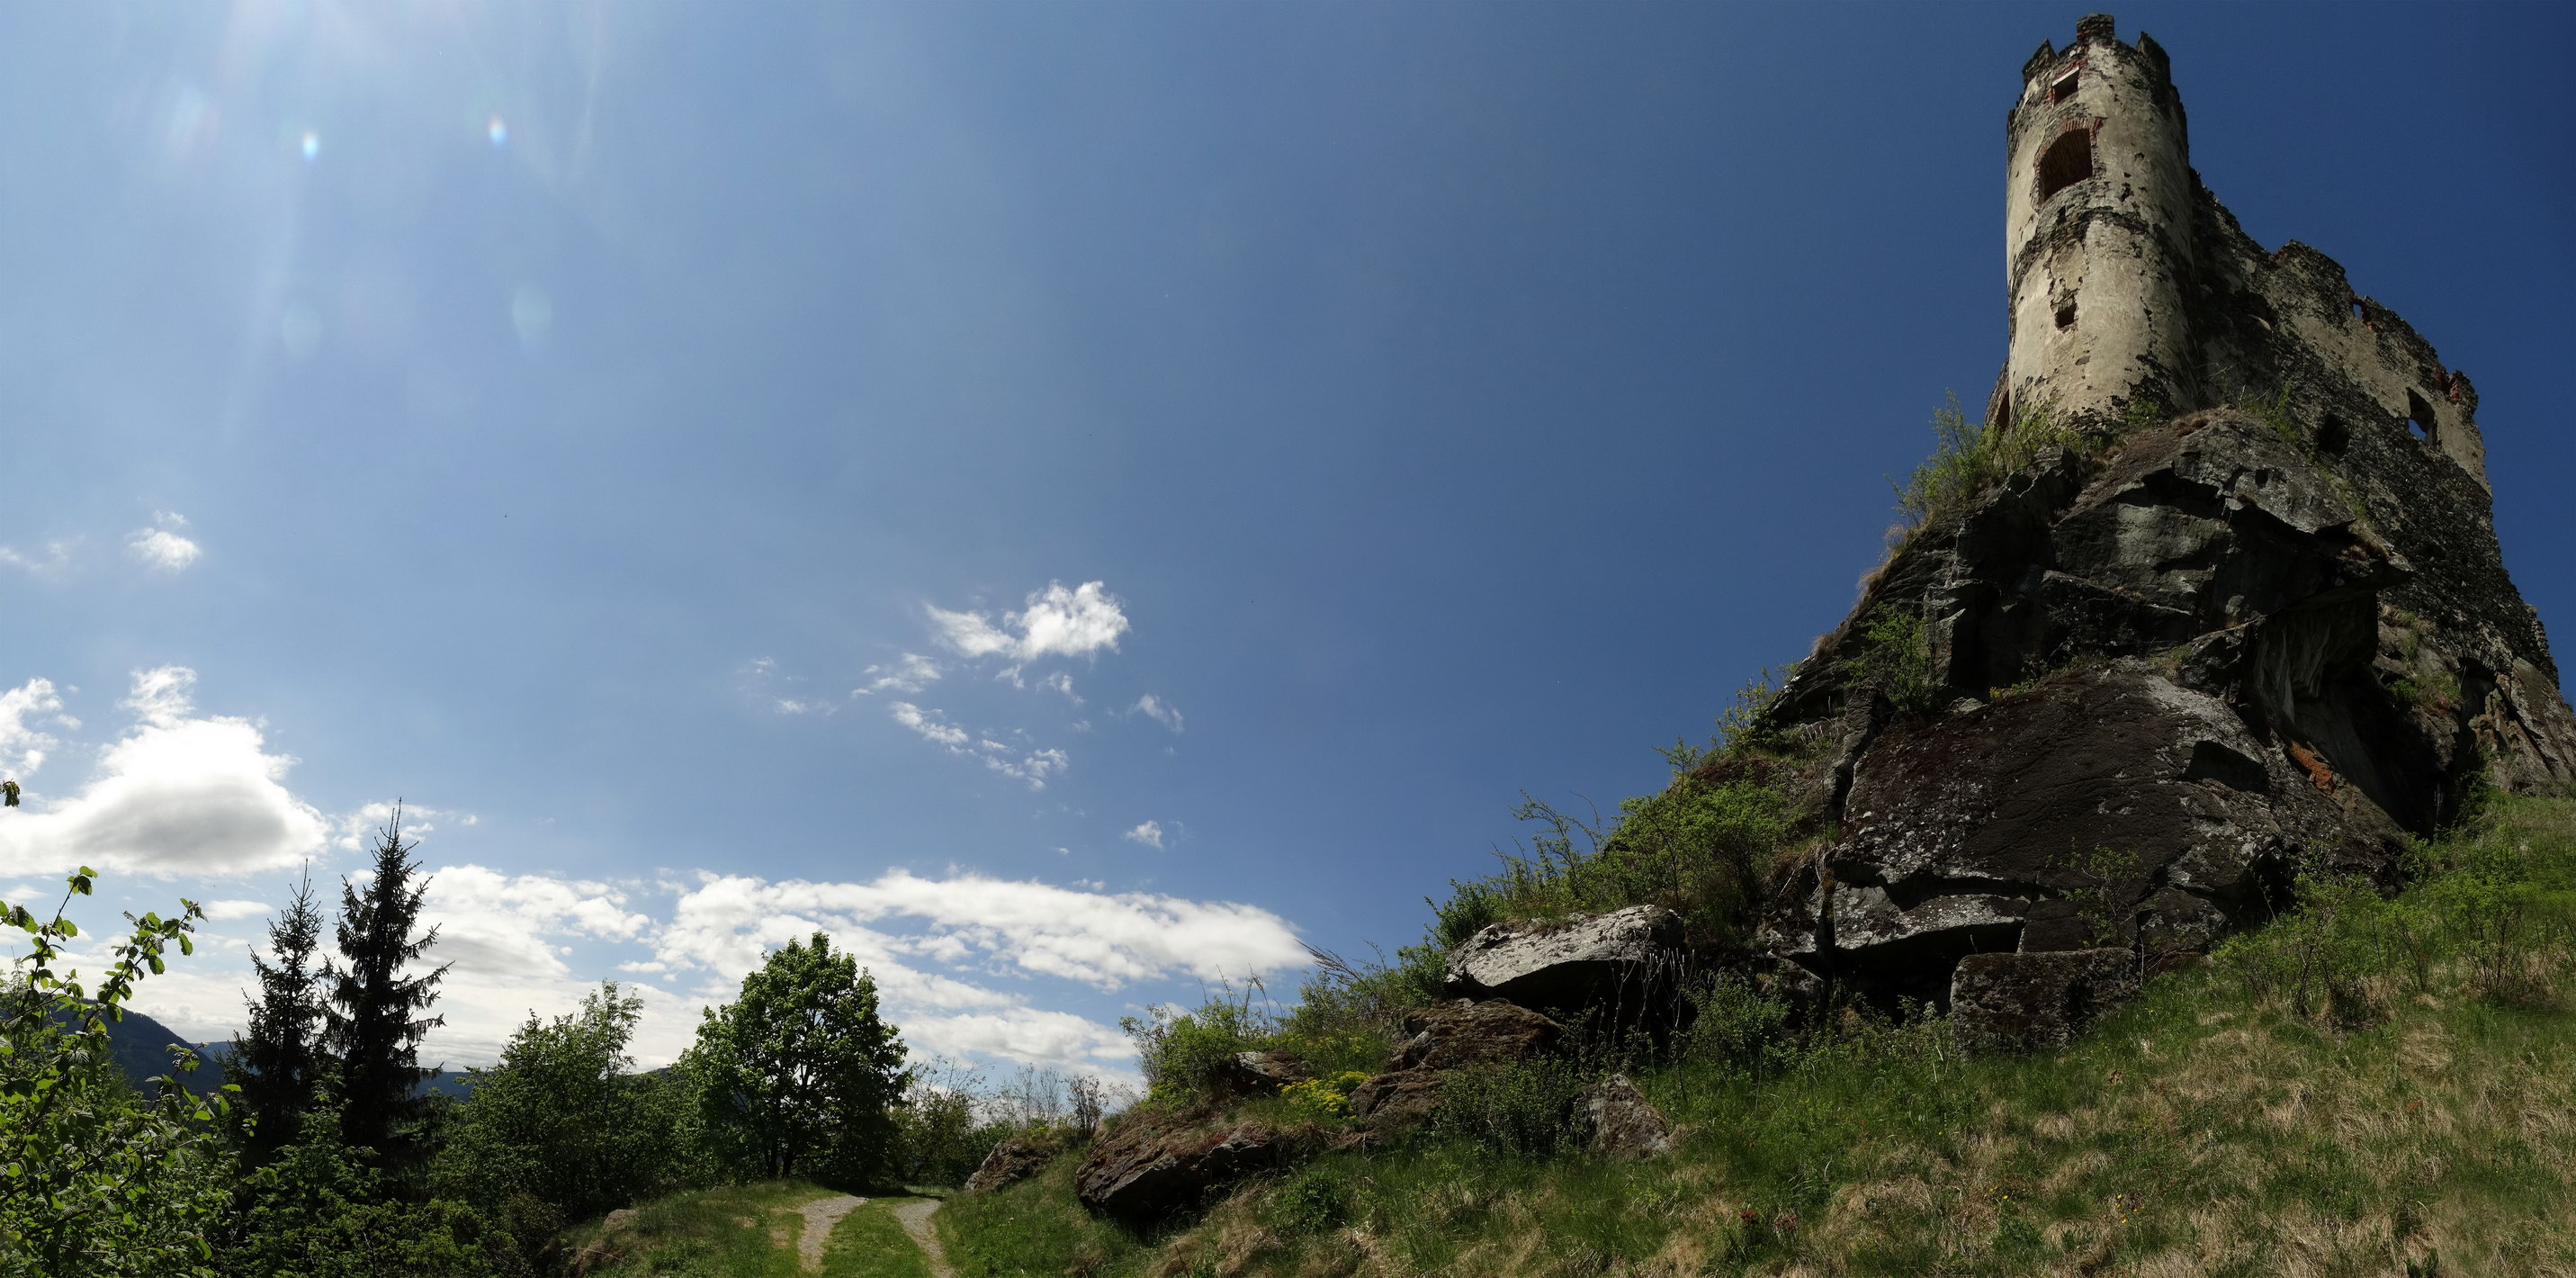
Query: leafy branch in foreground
93, 1178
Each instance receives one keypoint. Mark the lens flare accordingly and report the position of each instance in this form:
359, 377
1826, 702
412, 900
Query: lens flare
312, 144
499, 132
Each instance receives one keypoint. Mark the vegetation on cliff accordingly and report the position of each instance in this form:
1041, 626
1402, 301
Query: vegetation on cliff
2373, 1084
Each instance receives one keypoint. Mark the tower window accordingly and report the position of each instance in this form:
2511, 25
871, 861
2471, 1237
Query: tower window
2067, 161
2063, 87
2066, 314
2420, 421
2334, 436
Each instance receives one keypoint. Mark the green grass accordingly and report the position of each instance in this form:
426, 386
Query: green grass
871, 1243
1034, 1229
750, 1231
2232, 1122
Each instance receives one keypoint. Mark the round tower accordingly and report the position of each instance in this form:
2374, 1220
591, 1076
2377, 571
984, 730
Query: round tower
2098, 232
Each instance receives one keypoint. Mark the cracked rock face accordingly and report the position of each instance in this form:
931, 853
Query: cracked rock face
2171, 677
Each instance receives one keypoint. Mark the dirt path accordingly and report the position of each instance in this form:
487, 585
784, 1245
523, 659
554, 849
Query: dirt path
915, 1216
820, 1215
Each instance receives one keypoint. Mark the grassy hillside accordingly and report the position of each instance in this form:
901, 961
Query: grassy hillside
2374, 1085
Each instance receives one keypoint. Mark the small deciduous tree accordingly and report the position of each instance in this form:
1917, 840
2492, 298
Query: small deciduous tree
799, 1074
562, 1120
378, 1013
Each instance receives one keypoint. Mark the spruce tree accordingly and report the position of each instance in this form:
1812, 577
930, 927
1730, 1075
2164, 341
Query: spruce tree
377, 1014
278, 1063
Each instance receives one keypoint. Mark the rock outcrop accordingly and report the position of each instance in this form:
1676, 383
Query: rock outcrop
2223, 602
2022, 1002
1617, 1121
1463, 1033
1011, 1161
1156, 1166
1622, 962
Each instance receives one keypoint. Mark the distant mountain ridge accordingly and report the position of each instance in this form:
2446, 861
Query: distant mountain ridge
141, 1046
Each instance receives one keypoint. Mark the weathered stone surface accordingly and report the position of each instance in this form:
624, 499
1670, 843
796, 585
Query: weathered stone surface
1618, 1121
1011, 1161
1153, 1167
2106, 806
1463, 1033
1622, 961
1397, 1100
2021, 1002
1256, 1073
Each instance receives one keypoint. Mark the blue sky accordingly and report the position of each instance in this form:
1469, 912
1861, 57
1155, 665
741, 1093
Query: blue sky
1286, 431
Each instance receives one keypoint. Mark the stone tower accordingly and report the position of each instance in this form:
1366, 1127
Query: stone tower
2225, 605
2097, 231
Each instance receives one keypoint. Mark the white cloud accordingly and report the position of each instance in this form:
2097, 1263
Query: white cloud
498, 925
1150, 834
1034, 767
1077, 622
1104, 939
910, 672
23, 745
352, 831
224, 911
1160, 711
1061, 682
161, 547
178, 794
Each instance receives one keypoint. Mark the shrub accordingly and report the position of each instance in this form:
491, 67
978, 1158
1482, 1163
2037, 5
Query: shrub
562, 1119
1736, 1026
1966, 459
1895, 657
1315, 1199
1517, 1107
1178, 1051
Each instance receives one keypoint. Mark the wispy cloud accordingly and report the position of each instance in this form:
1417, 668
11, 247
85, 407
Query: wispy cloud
772, 687
910, 672
1160, 711
1150, 834
1056, 622
161, 547
57, 556
1034, 766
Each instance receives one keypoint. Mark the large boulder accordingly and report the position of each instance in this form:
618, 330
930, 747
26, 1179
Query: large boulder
1463, 1033
1013, 1160
2026, 1002
1154, 1167
1617, 1121
1617, 965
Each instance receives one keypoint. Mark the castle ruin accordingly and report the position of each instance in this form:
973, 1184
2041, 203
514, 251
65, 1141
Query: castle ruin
2235, 611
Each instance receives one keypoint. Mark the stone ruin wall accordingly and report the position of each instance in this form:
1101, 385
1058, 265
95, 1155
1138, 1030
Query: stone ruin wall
2132, 285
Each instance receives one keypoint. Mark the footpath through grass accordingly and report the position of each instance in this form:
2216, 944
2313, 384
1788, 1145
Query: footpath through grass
748, 1231
2373, 1086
